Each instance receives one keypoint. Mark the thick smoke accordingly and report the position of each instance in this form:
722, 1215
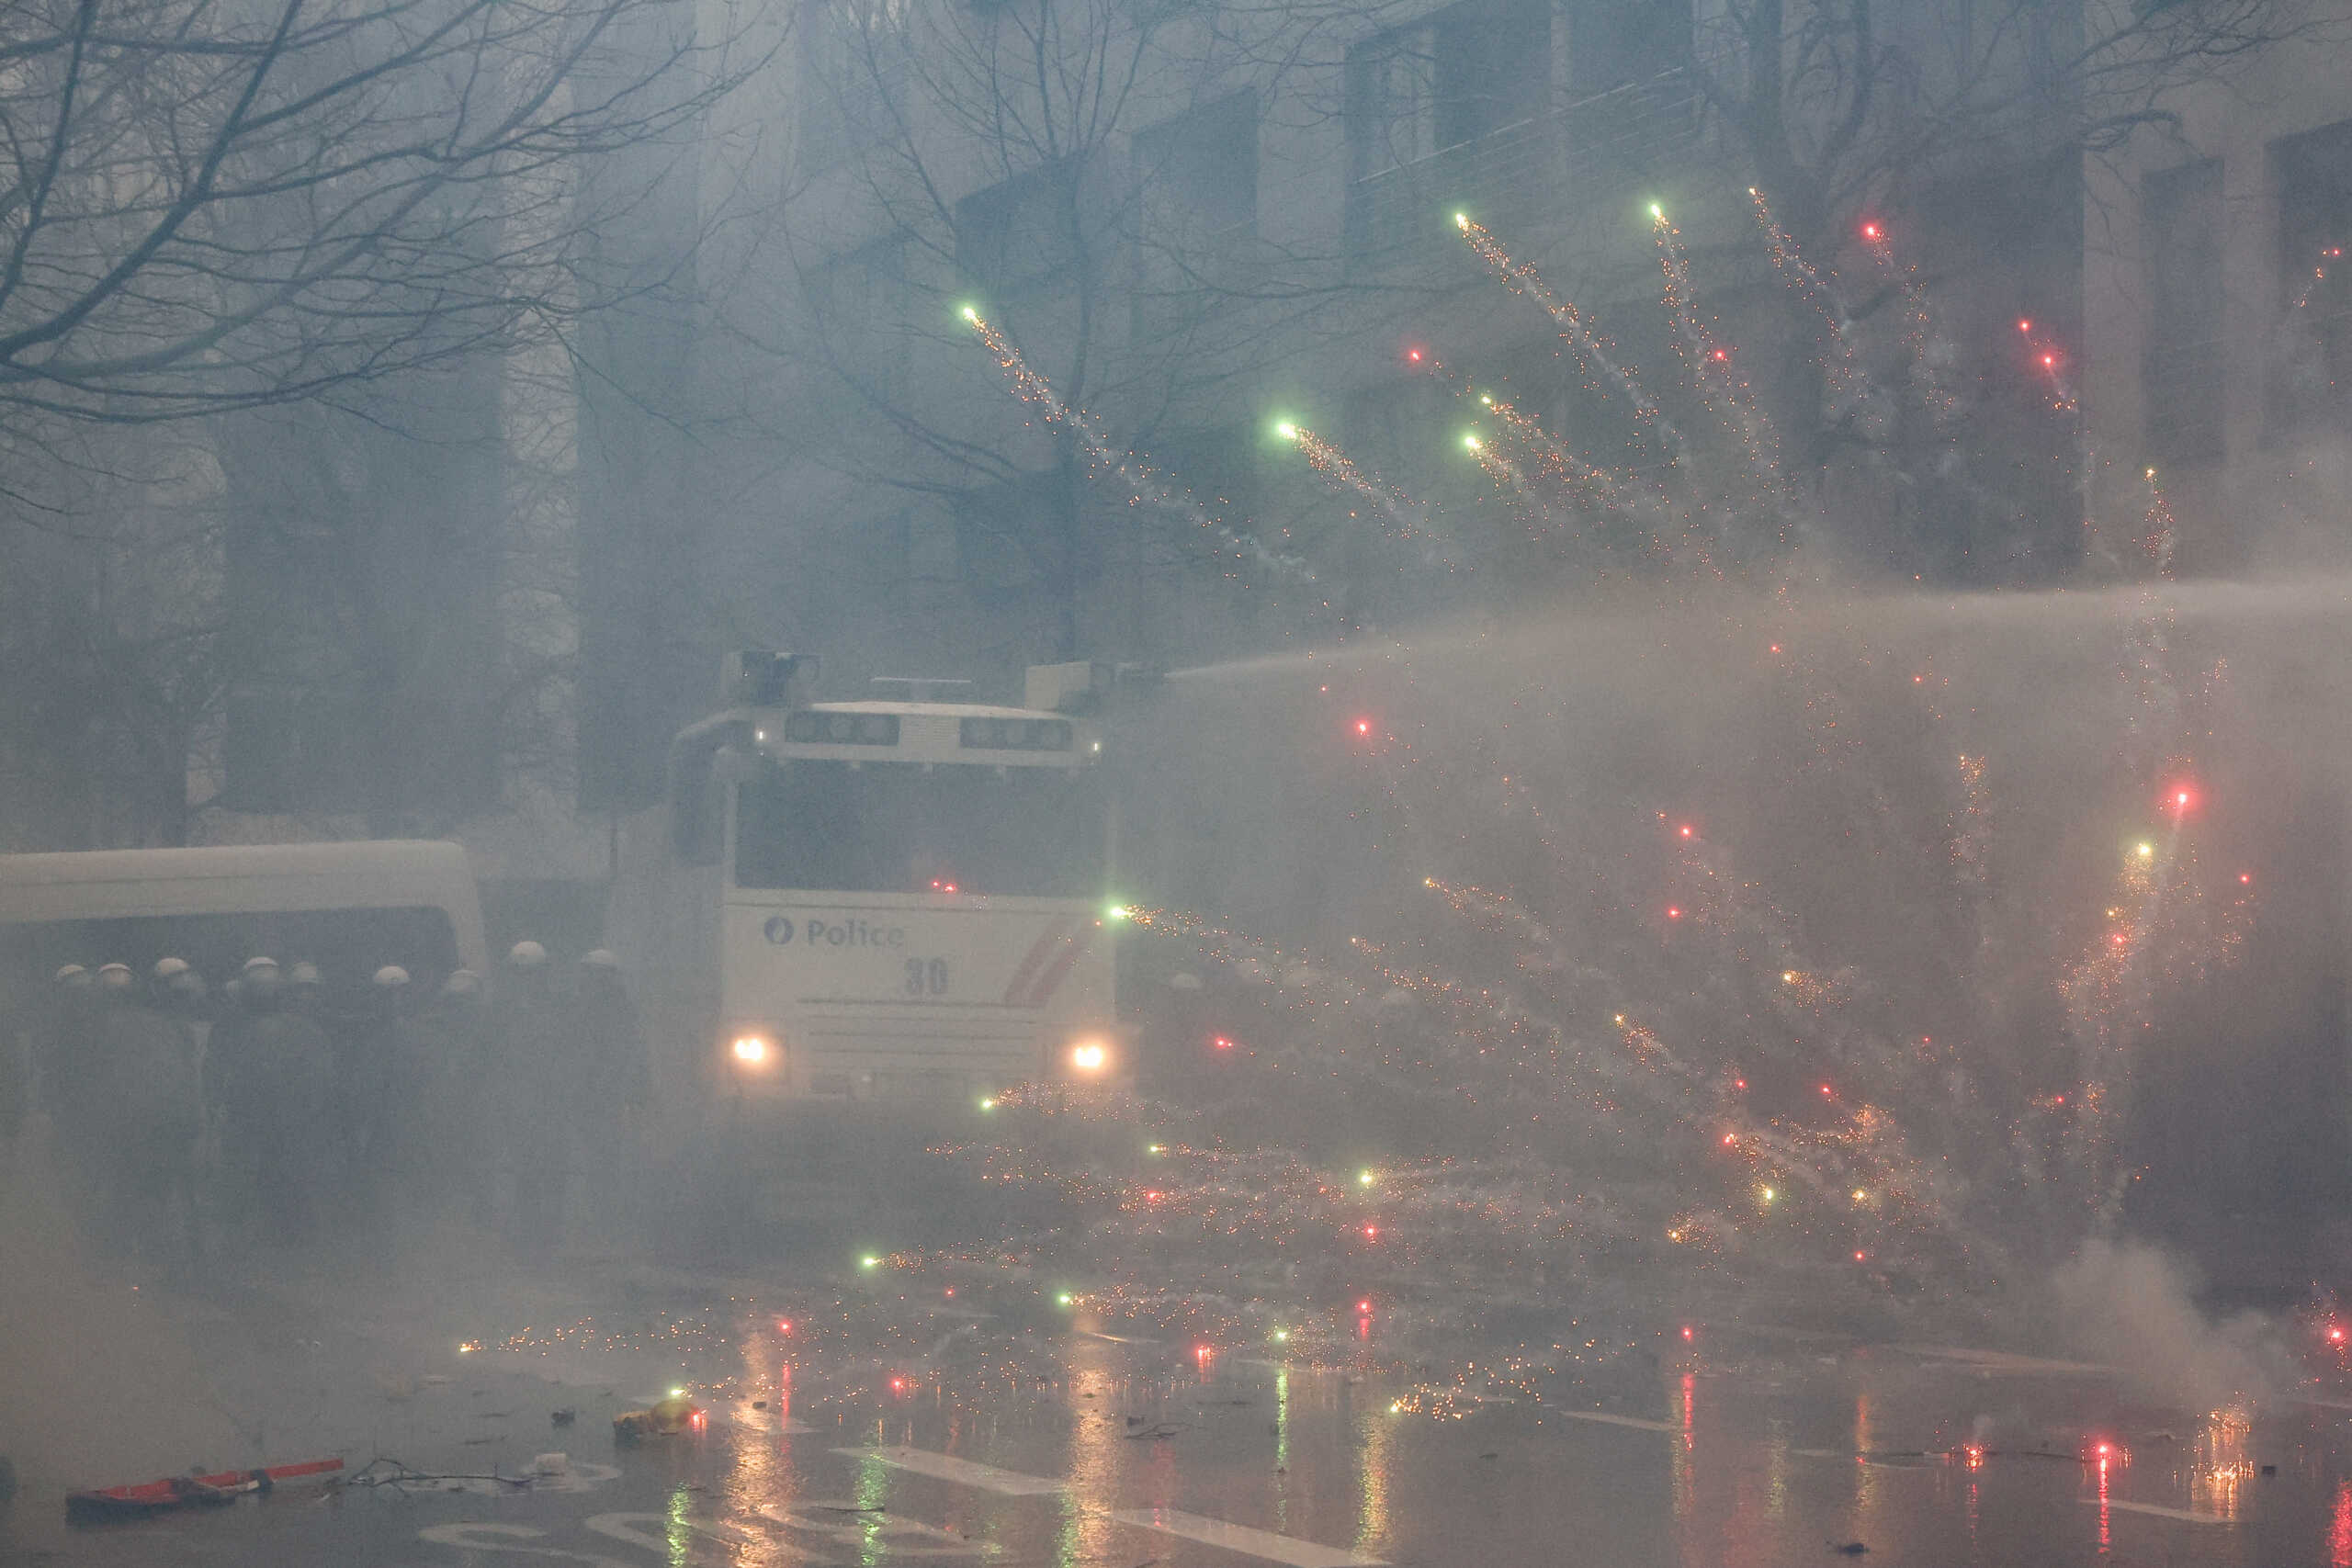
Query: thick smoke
2132, 1307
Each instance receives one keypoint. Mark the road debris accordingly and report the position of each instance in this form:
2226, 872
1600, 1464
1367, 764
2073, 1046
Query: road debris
138, 1501
400, 1477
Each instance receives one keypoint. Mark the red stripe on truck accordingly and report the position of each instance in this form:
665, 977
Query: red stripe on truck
1059, 971
1038, 951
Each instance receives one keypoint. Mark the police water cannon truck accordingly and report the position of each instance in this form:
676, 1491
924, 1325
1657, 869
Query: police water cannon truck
895, 900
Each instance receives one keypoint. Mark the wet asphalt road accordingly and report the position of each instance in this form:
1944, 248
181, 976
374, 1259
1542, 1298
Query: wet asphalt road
1087, 1450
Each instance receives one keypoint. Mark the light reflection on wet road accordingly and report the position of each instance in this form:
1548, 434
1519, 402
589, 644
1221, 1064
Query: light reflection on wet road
1133, 1456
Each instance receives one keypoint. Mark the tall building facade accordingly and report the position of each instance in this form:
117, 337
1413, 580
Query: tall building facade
2218, 339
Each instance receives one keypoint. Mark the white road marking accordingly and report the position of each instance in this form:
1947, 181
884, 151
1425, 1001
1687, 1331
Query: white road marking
1619, 1420
2192, 1517
963, 1472
579, 1475
1249, 1542
1242, 1539
872, 1532
658, 1534
473, 1536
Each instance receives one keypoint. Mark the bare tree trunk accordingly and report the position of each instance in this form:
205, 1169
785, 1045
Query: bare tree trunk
646, 666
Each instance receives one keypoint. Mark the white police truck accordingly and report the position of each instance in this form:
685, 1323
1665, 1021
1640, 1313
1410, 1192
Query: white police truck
893, 901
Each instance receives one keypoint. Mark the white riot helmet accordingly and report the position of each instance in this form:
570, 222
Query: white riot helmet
115, 977
463, 984
392, 977
303, 973
527, 955
167, 970
257, 979
73, 976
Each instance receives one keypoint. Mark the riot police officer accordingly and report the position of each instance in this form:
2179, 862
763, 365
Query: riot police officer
152, 1116
529, 1096
273, 1086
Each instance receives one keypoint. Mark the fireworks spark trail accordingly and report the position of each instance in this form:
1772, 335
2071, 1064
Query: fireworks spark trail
1408, 519
1583, 483
1596, 351
1535, 507
1710, 359
2153, 723
1141, 480
1922, 345
2162, 928
1850, 385
1726, 393
2319, 275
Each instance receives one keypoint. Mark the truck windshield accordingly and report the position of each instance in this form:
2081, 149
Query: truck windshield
900, 827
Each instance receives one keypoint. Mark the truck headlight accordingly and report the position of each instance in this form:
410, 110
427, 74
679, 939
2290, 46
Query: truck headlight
753, 1049
1089, 1056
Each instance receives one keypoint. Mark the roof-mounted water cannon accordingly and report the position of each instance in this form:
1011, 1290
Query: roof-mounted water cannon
1083, 687
758, 678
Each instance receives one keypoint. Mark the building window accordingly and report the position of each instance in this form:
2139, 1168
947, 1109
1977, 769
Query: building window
1452, 109
2180, 376
853, 77
861, 307
1617, 41
1464, 73
1197, 173
1023, 234
2311, 364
